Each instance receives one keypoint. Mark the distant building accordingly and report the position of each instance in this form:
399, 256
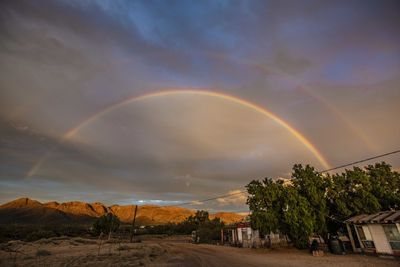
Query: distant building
243, 235
375, 233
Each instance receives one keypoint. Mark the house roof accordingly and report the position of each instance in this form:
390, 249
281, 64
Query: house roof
392, 216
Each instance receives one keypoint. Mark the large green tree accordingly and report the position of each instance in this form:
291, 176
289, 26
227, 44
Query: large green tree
265, 202
385, 185
299, 222
279, 208
312, 186
320, 203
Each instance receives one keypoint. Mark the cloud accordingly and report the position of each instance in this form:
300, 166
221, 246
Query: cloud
237, 198
64, 61
196, 203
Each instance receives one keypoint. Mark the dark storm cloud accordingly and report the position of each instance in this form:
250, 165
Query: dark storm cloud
330, 68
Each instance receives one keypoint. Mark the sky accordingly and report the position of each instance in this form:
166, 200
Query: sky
168, 102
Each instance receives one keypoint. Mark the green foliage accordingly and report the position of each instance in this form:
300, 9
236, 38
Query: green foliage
312, 186
210, 231
316, 203
106, 224
207, 230
385, 185
278, 208
266, 204
199, 218
359, 191
299, 222
34, 232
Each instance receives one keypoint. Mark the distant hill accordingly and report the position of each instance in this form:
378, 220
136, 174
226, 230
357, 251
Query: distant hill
29, 211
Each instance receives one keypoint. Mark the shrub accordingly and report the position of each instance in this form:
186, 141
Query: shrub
106, 224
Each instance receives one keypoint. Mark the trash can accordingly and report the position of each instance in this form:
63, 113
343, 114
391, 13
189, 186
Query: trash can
335, 247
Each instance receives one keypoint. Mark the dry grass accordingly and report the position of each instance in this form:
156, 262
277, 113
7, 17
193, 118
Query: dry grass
77, 252
167, 252
42, 252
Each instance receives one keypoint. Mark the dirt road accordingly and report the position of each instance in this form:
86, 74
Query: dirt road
180, 254
65, 251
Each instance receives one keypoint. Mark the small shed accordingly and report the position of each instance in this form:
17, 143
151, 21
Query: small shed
241, 235
375, 233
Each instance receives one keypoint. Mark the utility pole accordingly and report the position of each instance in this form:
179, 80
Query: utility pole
133, 224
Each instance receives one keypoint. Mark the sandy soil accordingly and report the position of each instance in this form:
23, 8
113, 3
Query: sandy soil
65, 251
209, 255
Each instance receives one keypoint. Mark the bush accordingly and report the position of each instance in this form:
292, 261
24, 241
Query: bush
206, 235
207, 231
106, 224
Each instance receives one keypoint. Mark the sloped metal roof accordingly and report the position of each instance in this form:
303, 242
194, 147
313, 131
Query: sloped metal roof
392, 216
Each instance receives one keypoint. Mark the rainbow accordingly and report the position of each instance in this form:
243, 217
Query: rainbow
306, 90
266, 70
72, 132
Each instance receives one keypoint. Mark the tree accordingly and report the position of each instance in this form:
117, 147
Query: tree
313, 186
279, 208
106, 224
265, 203
350, 193
320, 204
200, 217
207, 230
385, 185
210, 231
359, 191
298, 216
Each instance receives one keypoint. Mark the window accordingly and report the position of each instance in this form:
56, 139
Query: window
365, 236
393, 235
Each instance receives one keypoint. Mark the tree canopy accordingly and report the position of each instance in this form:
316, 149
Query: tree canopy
316, 203
207, 230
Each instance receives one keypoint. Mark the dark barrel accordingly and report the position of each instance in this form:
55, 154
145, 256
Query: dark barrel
335, 247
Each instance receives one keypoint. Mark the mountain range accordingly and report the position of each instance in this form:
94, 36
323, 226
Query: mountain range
29, 211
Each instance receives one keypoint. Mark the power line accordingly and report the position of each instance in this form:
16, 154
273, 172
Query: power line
360, 161
213, 198
331, 169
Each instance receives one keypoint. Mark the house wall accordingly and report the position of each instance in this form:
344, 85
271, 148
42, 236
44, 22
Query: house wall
380, 240
248, 237
239, 234
275, 238
249, 231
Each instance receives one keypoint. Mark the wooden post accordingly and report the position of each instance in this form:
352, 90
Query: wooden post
358, 237
111, 226
222, 236
353, 245
133, 224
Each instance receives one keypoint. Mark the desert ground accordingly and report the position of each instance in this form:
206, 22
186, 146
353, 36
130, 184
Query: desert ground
65, 251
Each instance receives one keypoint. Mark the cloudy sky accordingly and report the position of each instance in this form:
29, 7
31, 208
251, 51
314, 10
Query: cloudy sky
164, 102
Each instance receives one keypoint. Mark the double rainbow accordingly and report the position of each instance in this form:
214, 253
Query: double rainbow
72, 132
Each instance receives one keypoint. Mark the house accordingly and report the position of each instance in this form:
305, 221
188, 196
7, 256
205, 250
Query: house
375, 233
241, 235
